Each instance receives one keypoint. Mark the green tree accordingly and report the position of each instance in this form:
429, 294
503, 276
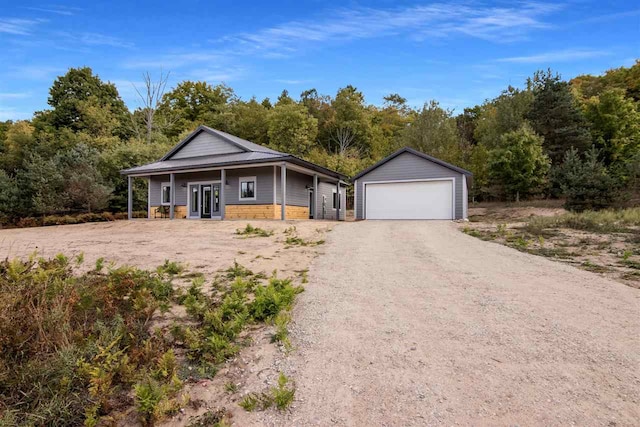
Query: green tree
191, 104
122, 156
250, 121
434, 132
518, 165
556, 116
19, 142
81, 101
9, 198
615, 125
586, 182
351, 112
506, 113
292, 129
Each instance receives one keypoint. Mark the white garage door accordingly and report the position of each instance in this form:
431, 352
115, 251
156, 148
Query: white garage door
410, 200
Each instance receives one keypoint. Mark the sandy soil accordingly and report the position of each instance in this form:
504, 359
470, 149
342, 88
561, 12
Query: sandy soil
422, 324
204, 246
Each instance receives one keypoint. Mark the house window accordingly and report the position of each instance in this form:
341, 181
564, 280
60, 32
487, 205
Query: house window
336, 200
166, 193
248, 188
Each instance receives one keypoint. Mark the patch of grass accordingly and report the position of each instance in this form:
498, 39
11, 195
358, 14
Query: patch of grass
281, 397
171, 267
211, 418
605, 221
281, 335
231, 387
249, 402
556, 252
630, 263
595, 268
298, 241
251, 231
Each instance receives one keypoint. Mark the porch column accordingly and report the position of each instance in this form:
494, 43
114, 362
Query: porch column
283, 183
172, 195
130, 197
315, 196
223, 180
338, 202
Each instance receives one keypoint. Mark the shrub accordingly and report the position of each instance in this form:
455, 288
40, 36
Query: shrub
271, 299
586, 182
70, 345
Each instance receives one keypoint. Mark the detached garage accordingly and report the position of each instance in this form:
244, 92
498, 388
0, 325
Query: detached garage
411, 185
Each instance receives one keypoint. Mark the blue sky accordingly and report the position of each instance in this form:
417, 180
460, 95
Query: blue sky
458, 53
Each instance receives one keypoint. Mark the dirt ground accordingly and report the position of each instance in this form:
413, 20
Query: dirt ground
615, 255
422, 325
205, 247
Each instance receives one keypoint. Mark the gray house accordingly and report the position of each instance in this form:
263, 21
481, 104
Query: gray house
214, 175
411, 185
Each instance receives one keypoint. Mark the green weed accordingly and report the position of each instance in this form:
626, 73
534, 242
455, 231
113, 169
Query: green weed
251, 231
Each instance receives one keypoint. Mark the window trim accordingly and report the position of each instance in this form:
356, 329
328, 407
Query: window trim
162, 186
333, 200
255, 187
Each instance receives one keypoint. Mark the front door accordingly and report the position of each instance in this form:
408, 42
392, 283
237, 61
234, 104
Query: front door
216, 200
312, 205
194, 198
205, 207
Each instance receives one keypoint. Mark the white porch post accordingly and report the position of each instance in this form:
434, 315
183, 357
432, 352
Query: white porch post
130, 197
223, 180
172, 196
283, 183
315, 196
338, 202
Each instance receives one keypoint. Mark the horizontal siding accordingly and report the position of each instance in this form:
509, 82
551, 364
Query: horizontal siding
205, 144
405, 167
264, 186
297, 192
324, 204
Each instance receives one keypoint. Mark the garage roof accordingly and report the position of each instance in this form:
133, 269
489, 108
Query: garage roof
416, 153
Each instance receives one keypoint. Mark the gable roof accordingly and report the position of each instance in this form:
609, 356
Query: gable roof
242, 144
416, 153
251, 153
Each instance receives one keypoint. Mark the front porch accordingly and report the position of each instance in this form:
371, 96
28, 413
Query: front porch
279, 191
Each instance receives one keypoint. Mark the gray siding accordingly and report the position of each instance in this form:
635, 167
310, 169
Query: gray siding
406, 167
297, 192
264, 186
324, 207
205, 144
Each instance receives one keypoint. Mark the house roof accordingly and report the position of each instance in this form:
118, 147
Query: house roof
251, 154
416, 153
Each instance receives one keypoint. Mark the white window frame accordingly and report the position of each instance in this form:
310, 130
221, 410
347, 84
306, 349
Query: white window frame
255, 187
162, 185
339, 199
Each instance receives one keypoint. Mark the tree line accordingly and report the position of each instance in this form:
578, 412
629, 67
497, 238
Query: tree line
577, 139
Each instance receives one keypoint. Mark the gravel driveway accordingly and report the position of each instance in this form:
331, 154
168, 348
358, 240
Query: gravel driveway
413, 323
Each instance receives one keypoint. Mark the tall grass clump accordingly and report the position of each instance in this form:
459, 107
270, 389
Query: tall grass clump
604, 221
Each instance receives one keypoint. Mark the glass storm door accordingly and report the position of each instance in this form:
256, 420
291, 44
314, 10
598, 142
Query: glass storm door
216, 199
194, 196
205, 207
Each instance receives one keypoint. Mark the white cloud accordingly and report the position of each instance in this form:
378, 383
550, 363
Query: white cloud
12, 114
17, 26
497, 24
566, 55
56, 9
14, 95
292, 81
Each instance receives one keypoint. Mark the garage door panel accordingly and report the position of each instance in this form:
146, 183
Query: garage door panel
410, 200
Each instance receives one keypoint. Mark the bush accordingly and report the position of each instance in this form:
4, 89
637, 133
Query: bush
586, 182
71, 346
251, 231
76, 219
